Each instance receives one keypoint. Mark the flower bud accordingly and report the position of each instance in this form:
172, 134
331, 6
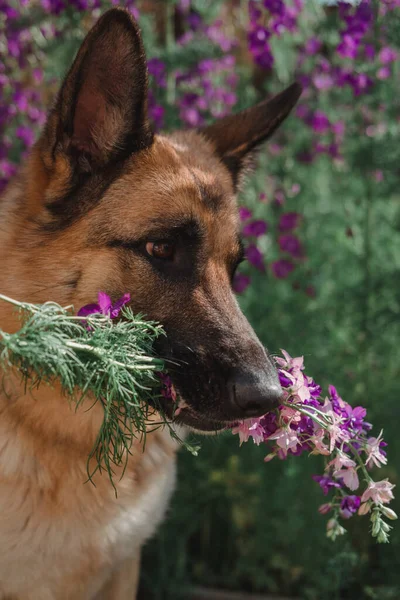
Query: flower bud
364, 508
376, 527
324, 508
386, 528
269, 457
382, 538
331, 524
389, 513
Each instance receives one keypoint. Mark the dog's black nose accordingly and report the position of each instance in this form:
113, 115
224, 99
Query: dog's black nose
252, 394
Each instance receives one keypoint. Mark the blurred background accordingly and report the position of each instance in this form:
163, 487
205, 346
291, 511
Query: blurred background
321, 220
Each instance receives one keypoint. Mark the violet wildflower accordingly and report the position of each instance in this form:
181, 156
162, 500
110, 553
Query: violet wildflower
326, 483
255, 229
291, 244
255, 257
349, 506
289, 221
282, 268
244, 213
241, 282
320, 122
105, 306
275, 7
26, 135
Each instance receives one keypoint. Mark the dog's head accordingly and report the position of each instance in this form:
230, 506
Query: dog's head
114, 207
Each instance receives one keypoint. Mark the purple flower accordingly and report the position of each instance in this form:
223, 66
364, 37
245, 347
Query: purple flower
255, 229
244, 213
282, 268
289, 221
105, 306
314, 389
387, 55
241, 282
326, 483
383, 73
26, 135
255, 257
275, 7
167, 388
284, 379
269, 424
320, 122
349, 506
291, 244
323, 81
313, 45
354, 416
157, 70
258, 38
259, 47
348, 47
360, 83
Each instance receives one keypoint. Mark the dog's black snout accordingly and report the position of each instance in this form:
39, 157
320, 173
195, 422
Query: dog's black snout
252, 394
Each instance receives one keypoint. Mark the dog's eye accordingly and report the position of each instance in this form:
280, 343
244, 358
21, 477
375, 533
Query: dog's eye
163, 250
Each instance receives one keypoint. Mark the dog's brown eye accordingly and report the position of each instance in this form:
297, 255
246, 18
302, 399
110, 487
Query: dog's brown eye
164, 250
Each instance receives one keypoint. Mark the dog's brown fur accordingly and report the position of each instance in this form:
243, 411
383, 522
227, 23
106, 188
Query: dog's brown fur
96, 185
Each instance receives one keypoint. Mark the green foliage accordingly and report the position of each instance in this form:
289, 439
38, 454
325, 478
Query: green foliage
111, 361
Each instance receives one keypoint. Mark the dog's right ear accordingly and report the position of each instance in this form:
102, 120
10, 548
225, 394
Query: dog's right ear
100, 114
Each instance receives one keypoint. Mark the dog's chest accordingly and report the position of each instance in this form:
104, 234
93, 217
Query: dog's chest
140, 504
55, 534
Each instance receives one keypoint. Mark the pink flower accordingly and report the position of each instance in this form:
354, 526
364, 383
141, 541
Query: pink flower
290, 363
318, 441
387, 55
350, 478
374, 453
378, 492
249, 428
289, 414
340, 461
337, 434
285, 438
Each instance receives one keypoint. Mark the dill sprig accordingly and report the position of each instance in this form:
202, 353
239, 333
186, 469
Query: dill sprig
110, 360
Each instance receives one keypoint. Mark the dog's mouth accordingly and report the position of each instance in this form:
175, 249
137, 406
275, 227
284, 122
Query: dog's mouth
199, 423
182, 413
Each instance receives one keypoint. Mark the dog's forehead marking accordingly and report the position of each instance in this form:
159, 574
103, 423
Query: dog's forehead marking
211, 194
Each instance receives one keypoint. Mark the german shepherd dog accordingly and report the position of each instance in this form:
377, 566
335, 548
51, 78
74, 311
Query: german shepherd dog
102, 203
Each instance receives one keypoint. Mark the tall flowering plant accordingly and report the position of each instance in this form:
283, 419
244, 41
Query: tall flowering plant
307, 422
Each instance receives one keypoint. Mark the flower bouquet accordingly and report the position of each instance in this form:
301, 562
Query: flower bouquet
112, 359
307, 422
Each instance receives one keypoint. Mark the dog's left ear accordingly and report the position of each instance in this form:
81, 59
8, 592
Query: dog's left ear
101, 111
236, 137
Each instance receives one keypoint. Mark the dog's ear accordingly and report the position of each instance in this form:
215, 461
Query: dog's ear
236, 137
100, 114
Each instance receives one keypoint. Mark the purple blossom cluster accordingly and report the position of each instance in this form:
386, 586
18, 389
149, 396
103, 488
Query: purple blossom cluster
267, 19
24, 91
21, 95
306, 422
288, 244
354, 63
208, 89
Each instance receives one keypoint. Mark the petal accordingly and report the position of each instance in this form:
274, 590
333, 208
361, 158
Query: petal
116, 307
89, 309
104, 303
